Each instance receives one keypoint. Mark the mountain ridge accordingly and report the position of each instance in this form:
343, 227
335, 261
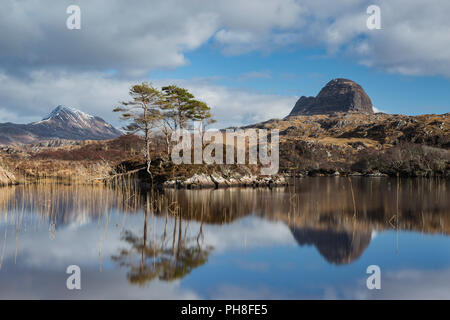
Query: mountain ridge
61, 123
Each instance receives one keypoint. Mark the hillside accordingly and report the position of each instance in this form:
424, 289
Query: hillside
365, 143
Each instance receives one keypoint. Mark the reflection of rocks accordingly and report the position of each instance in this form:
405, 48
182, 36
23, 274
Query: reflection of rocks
336, 247
311, 203
341, 204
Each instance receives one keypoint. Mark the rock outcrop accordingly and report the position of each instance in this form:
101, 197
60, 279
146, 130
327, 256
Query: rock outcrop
6, 177
339, 95
218, 180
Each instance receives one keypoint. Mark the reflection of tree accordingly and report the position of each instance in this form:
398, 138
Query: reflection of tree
149, 259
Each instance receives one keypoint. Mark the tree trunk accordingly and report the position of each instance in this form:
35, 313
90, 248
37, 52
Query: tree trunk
147, 142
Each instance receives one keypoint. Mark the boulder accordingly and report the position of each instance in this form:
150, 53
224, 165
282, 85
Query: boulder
198, 181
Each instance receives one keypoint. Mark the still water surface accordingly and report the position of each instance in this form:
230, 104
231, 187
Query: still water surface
312, 240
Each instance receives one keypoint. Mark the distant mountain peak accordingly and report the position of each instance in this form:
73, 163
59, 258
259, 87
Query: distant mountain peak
62, 122
61, 109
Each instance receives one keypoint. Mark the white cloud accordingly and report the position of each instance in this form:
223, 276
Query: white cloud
43, 64
236, 107
248, 233
93, 248
91, 245
30, 99
414, 39
95, 93
410, 284
375, 109
113, 34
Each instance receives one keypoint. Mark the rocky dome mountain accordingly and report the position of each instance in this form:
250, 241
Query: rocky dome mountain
62, 123
339, 95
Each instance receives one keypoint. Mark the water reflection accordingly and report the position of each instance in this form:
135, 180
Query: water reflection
336, 247
164, 237
330, 203
152, 258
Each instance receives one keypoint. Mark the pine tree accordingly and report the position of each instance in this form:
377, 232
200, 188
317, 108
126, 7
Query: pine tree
143, 112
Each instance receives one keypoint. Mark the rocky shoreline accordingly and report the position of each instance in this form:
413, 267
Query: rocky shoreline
216, 180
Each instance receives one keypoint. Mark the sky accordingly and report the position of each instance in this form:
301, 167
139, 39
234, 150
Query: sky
248, 60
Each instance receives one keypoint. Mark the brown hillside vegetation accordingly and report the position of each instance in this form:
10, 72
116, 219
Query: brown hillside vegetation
70, 161
364, 143
336, 144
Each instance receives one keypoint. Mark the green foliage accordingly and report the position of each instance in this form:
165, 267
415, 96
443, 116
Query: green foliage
143, 110
173, 107
181, 107
167, 110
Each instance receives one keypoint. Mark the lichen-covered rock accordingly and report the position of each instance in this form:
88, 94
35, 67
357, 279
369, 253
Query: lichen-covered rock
198, 181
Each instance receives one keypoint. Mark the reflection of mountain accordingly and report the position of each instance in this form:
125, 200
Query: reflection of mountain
317, 203
338, 247
322, 203
336, 215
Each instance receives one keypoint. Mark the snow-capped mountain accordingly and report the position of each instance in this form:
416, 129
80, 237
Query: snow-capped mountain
62, 123
63, 111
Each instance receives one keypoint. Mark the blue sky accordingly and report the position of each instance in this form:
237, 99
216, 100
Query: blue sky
304, 71
249, 61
